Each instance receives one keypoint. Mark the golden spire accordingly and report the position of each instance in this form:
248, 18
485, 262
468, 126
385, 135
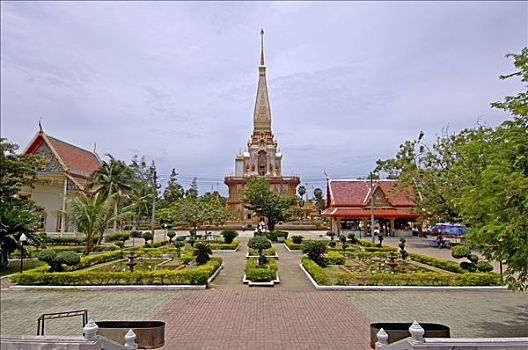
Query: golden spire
262, 47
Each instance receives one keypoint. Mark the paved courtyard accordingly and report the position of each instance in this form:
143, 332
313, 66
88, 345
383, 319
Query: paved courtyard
292, 315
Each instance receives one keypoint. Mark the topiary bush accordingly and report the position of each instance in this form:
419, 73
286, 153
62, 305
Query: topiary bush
331, 234
473, 264
229, 236
147, 236
259, 243
316, 251
55, 260
352, 238
484, 266
403, 252
297, 239
171, 235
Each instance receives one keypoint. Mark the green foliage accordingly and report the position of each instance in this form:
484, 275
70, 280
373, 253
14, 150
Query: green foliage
478, 176
331, 234
293, 246
257, 272
56, 240
174, 190
352, 238
55, 260
320, 203
17, 215
229, 235
189, 275
316, 271
201, 252
147, 236
171, 234
403, 253
334, 258
460, 251
117, 237
484, 266
316, 251
273, 235
224, 246
297, 239
266, 203
259, 243
440, 263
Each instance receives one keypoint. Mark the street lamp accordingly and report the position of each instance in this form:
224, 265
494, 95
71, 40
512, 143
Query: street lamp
23, 239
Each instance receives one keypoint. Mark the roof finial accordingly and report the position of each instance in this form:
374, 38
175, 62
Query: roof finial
40, 125
95, 147
262, 47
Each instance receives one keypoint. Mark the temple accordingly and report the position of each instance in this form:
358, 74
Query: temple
262, 157
348, 205
66, 172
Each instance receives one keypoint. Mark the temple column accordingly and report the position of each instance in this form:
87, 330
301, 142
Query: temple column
338, 231
63, 218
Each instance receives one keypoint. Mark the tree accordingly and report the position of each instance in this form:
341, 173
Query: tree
174, 190
266, 203
478, 176
201, 252
91, 215
17, 215
112, 179
192, 191
260, 243
56, 260
301, 191
320, 203
316, 251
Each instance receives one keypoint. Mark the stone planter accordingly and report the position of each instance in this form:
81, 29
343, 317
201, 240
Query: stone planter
149, 334
274, 256
398, 331
260, 284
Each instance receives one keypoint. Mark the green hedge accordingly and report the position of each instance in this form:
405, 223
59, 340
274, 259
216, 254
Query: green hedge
90, 260
63, 240
197, 275
440, 263
293, 246
223, 246
272, 235
259, 274
316, 271
267, 252
334, 258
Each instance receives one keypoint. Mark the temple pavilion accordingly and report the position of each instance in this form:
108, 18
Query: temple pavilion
261, 158
348, 205
66, 172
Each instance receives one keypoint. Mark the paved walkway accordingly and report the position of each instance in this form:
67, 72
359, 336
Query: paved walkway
291, 315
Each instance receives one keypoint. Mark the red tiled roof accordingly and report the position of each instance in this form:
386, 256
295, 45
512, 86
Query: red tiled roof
78, 161
76, 158
355, 193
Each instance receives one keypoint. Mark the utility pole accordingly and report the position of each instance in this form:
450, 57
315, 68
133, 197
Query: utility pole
155, 194
372, 208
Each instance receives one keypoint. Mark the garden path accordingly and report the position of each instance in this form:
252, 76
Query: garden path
291, 276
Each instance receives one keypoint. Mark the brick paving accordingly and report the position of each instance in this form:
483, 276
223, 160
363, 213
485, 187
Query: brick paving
263, 319
291, 315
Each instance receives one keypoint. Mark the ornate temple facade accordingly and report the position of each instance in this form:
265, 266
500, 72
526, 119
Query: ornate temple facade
261, 158
66, 172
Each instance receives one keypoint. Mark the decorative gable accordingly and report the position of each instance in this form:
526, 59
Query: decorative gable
51, 165
380, 199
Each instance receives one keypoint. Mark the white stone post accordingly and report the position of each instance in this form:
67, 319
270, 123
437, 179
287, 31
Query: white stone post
90, 330
130, 340
383, 338
417, 333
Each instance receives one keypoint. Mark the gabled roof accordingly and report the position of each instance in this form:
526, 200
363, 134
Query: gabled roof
356, 193
74, 160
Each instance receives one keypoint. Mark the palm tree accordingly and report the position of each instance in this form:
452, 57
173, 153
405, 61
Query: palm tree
91, 215
113, 178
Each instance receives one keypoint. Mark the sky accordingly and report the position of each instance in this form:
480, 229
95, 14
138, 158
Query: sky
176, 81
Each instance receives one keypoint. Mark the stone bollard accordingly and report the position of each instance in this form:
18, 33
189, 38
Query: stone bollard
382, 339
90, 330
130, 340
417, 333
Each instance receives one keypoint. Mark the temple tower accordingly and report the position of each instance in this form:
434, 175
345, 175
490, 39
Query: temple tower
261, 157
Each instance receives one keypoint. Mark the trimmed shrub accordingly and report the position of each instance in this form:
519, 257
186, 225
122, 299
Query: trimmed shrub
484, 266
171, 235
297, 239
315, 251
440, 263
261, 273
334, 258
316, 271
224, 246
56, 260
259, 243
229, 236
460, 251
190, 275
63, 240
273, 235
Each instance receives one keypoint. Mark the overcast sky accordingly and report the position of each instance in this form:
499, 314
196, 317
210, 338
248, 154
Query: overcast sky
176, 81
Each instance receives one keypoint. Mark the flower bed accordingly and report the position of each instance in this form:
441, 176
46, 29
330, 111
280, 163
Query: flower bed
190, 275
374, 271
